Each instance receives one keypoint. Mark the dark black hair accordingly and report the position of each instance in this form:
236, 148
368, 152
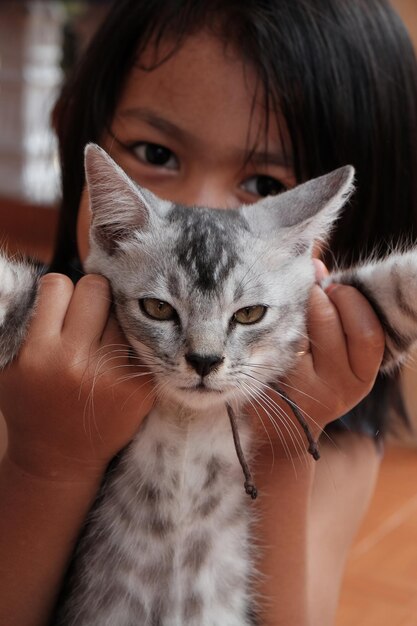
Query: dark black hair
342, 74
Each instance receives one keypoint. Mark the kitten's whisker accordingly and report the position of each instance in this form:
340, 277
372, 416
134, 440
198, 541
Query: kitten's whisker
89, 417
133, 376
89, 410
312, 420
101, 362
308, 415
138, 388
272, 370
105, 361
256, 394
90, 400
248, 398
312, 443
283, 415
303, 393
160, 386
136, 365
287, 422
107, 346
126, 351
252, 399
301, 410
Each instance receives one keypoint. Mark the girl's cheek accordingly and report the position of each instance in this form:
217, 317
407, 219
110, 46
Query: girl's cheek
317, 250
83, 225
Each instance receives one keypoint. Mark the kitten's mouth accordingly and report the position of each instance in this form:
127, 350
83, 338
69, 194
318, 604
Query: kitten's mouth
201, 387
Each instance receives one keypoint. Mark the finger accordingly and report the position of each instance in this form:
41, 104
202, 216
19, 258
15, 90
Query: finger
115, 345
116, 354
55, 292
88, 310
326, 334
365, 337
320, 270
113, 335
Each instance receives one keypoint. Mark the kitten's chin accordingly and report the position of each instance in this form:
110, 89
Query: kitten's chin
201, 398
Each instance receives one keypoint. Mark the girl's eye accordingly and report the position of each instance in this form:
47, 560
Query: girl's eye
157, 309
263, 186
250, 314
154, 154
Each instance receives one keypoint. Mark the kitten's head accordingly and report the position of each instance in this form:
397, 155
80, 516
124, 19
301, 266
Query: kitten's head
213, 301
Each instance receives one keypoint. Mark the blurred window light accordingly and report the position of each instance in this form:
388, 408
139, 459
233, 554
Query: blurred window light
38, 39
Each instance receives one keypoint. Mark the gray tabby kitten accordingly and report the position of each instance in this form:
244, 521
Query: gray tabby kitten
214, 303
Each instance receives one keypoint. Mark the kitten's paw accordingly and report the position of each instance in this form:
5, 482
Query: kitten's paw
8, 280
18, 288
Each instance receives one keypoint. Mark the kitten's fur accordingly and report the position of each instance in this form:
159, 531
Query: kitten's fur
168, 541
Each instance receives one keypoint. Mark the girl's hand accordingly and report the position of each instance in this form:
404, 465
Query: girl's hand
67, 406
338, 369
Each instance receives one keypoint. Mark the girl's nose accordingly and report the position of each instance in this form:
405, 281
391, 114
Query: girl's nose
206, 194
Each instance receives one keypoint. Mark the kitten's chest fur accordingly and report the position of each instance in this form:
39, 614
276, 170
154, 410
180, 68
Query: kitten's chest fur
168, 542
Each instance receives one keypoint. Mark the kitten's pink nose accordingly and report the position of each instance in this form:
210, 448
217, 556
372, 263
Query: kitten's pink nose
204, 364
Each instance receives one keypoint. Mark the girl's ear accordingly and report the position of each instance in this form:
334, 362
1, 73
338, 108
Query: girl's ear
117, 204
306, 213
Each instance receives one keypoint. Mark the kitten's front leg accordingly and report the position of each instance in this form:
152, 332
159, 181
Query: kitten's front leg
390, 285
18, 289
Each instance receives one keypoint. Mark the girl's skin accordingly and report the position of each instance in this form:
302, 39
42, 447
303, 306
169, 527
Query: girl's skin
199, 106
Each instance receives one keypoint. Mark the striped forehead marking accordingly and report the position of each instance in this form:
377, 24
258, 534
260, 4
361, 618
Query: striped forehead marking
206, 247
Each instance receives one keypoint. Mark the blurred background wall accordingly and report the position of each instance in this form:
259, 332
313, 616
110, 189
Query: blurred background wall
40, 41
408, 11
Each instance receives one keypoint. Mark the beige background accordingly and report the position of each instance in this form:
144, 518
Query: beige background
408, 11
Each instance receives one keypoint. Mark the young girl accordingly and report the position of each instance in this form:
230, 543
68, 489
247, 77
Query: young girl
217, 104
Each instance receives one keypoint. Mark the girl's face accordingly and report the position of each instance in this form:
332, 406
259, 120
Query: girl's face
184, 130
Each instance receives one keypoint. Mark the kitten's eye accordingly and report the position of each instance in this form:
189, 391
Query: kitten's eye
157, 309
263, 186
250, 314
154, 154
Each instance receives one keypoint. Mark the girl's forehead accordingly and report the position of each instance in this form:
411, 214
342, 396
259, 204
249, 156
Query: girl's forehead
203, 90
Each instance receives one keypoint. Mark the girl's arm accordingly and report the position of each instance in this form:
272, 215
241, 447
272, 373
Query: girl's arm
347, 344
67, 414
39, 522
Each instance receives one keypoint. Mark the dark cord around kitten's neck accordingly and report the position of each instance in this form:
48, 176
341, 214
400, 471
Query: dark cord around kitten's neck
249, 485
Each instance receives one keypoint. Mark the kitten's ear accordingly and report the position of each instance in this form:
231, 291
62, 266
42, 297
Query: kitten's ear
308, 211
117, 204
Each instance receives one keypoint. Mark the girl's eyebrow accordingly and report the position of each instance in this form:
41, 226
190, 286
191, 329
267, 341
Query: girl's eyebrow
256, 157
280, 158
160, 123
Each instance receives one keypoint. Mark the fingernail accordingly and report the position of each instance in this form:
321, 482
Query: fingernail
331, 288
